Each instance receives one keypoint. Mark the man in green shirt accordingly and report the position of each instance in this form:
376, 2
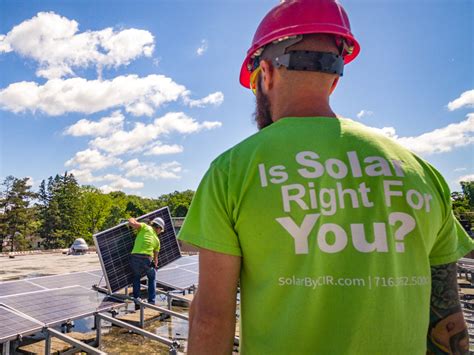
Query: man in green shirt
144, 258
338, 234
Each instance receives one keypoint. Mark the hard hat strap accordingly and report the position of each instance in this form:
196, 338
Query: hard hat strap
324, 62
274, 49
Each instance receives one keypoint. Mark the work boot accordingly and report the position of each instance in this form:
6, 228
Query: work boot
137, 303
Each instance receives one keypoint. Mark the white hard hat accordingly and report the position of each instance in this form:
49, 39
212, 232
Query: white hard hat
159, 222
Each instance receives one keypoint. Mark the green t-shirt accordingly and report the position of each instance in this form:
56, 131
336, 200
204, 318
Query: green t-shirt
337, 227
146, 241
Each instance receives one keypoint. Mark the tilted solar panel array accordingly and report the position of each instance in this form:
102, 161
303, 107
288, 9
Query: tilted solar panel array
115, 245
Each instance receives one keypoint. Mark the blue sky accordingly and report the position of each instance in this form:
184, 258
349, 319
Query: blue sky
141, 96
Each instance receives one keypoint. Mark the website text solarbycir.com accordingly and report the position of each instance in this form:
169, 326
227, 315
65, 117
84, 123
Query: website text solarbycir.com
369, 281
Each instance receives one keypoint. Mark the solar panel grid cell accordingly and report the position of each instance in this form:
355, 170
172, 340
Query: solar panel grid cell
57, 281
186, 260
96, 272
13, 324
115, 245
54, 306
178, 279
181, 274
14, 287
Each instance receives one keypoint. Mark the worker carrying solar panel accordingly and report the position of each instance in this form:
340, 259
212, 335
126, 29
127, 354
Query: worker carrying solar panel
337, 233
144, 256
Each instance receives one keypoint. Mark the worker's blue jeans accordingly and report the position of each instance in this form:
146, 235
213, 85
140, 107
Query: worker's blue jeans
140, 267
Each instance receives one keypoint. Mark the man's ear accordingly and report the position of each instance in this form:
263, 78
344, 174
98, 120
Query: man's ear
267, 74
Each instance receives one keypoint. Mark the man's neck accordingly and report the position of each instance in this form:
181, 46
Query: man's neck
303, 108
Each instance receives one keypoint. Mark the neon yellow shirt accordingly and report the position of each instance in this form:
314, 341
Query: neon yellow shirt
337, 227
146, 241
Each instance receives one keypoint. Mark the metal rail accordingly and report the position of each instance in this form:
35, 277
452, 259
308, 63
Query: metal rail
173, 344
76, 343
163, 310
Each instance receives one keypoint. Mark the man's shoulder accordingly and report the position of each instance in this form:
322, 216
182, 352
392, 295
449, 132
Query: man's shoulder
222, 161
245, 148
146, 227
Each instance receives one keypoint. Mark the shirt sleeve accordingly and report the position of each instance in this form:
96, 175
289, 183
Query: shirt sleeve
208, 223
452, 241
157, 244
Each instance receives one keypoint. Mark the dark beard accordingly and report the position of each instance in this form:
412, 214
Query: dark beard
263, 113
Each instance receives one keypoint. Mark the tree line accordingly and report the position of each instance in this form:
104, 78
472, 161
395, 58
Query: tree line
61, 210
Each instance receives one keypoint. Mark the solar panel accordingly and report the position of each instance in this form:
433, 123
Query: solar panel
181, 274
56, 306
115, 245
14, 287
185, 260
84, 279
96, 272
12, 325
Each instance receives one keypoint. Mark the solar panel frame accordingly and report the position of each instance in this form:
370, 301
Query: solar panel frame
52, 307
14, 325
114, 247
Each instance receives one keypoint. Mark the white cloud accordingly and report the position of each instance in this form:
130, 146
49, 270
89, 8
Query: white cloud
30, 182
118, 183
466, 178
460, 169
4, 47
115, 182
84, 176
162, 149
364, 113
440, 140
465, 100
103, 127
58, 96
215, 99
91, 159
135, 168
386, 131
141, 136
57, 45
203, 47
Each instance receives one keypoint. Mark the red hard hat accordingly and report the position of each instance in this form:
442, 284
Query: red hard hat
299, 17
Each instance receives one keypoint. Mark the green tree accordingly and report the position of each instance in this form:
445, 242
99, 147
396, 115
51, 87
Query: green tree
178, 202
463, 204
60, 211
468, 191
16, 215
96, 207
118, 209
